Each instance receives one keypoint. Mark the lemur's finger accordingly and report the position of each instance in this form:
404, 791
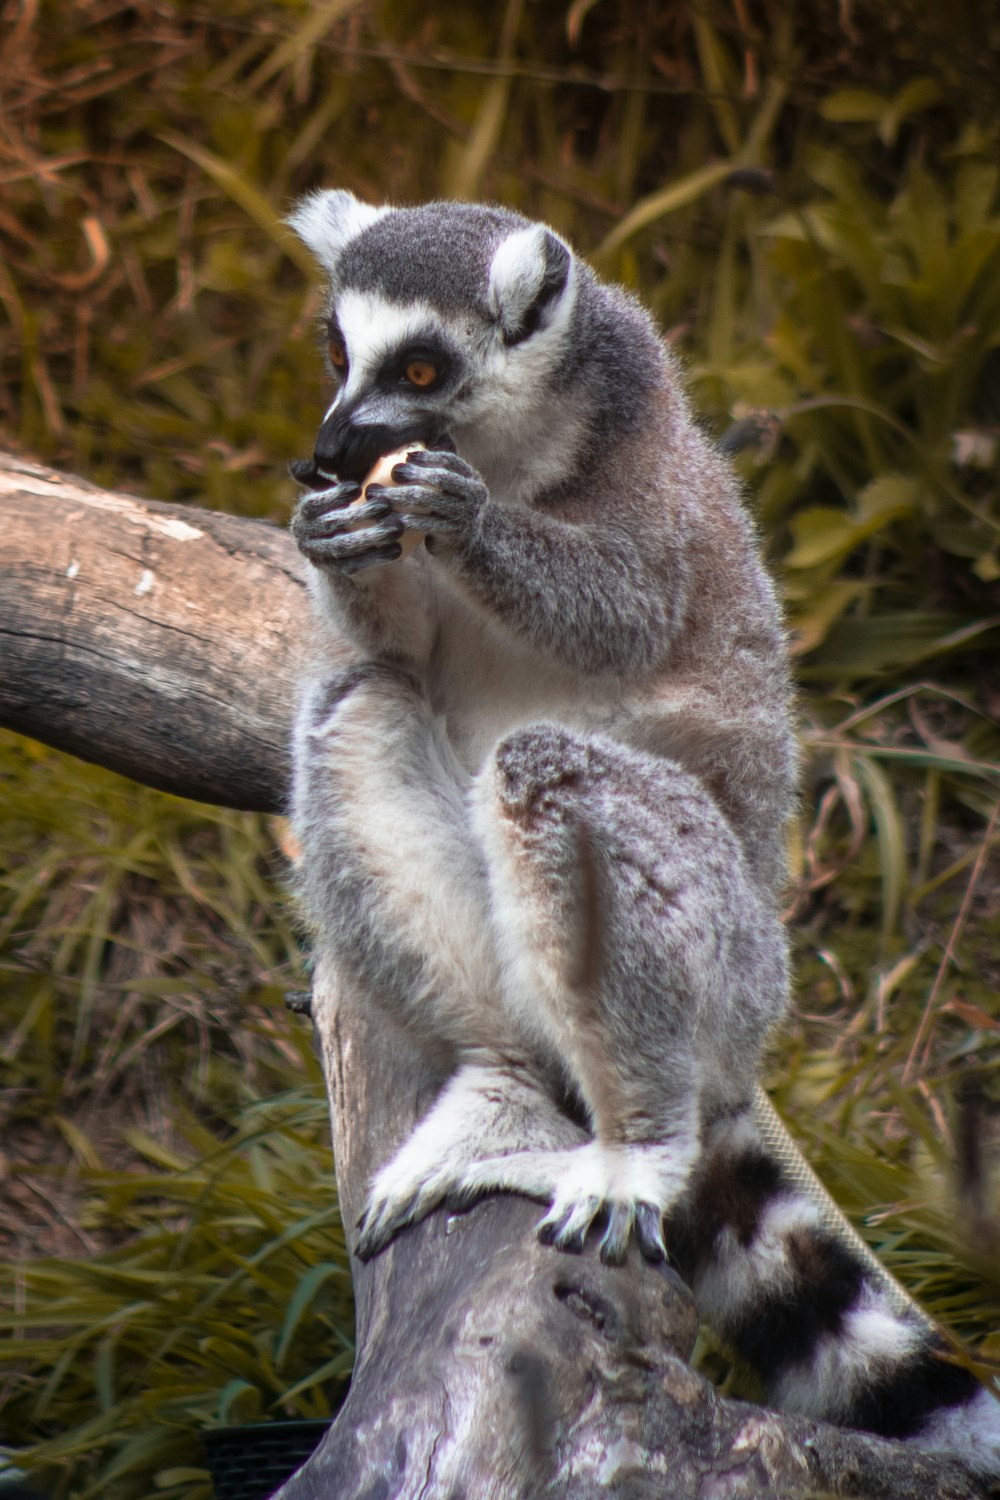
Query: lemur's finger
428, 525
444, 459
334, 497
340, 522
377, 1232
348, 565
461, 1199
334, 541
445, 481
422, 499
566, 1227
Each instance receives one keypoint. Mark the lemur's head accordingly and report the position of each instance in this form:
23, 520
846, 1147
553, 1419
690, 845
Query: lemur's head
447, 322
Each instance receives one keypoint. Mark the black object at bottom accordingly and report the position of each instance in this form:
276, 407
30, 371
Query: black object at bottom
251, 1462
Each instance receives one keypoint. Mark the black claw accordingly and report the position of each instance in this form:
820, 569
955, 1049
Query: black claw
367, 1247
299, 1002
547, 1231
574, 1241
649, 1233
460, 1199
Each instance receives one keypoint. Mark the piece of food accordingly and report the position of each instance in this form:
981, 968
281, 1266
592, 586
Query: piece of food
382, 474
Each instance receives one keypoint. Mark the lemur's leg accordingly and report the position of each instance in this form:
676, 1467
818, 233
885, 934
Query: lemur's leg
391, 877
395, 884
635, 950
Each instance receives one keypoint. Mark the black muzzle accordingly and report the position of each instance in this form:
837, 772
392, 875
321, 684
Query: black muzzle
349, 450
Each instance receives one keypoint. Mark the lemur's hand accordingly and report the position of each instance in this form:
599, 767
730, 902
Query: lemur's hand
344, 541
435, 493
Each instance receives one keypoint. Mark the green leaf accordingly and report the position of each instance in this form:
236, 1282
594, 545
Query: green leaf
668, 200
823, 534
305, 1292
862, 648
847, 106
918, 94
891, 838
249, 197
238, 1401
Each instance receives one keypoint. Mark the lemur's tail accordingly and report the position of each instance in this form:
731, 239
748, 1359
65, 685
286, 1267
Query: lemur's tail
784, 1279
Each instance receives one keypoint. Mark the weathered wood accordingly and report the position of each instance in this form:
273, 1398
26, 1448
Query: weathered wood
155, 639
162, 641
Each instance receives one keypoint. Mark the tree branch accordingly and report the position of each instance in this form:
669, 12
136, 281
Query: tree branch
157, 640
163, 641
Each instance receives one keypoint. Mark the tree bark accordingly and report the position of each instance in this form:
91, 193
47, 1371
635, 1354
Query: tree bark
163, 641
155, 639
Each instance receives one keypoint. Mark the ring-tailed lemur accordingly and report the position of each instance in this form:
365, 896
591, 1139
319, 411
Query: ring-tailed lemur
572, 701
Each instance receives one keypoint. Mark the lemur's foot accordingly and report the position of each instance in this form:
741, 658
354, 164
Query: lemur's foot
567, 1229
382, 1221
484, 1111
624, 1189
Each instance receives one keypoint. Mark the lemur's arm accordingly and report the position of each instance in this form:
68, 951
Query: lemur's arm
581, 591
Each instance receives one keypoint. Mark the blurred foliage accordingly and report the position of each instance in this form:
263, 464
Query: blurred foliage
808, 199
230, 1298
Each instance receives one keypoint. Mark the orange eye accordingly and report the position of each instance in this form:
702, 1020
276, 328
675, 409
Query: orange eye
338, 355
421, 373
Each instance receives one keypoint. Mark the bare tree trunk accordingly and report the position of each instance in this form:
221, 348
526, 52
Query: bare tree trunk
162, 641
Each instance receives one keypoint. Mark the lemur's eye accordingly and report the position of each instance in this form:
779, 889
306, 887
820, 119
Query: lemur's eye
338, 354
420, 372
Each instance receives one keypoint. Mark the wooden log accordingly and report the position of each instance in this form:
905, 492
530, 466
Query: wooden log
155, 639
162, 641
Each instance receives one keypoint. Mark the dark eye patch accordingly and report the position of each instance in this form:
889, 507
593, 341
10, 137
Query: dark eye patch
427, 349
336, 346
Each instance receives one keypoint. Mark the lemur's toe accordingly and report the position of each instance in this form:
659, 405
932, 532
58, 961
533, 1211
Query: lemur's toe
566, 1227
459, 1200
649, 1233
614, 1243
369, 1242
380, 1222
547, 1231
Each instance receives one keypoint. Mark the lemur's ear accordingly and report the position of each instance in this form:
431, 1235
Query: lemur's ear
529, 277
328, 220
